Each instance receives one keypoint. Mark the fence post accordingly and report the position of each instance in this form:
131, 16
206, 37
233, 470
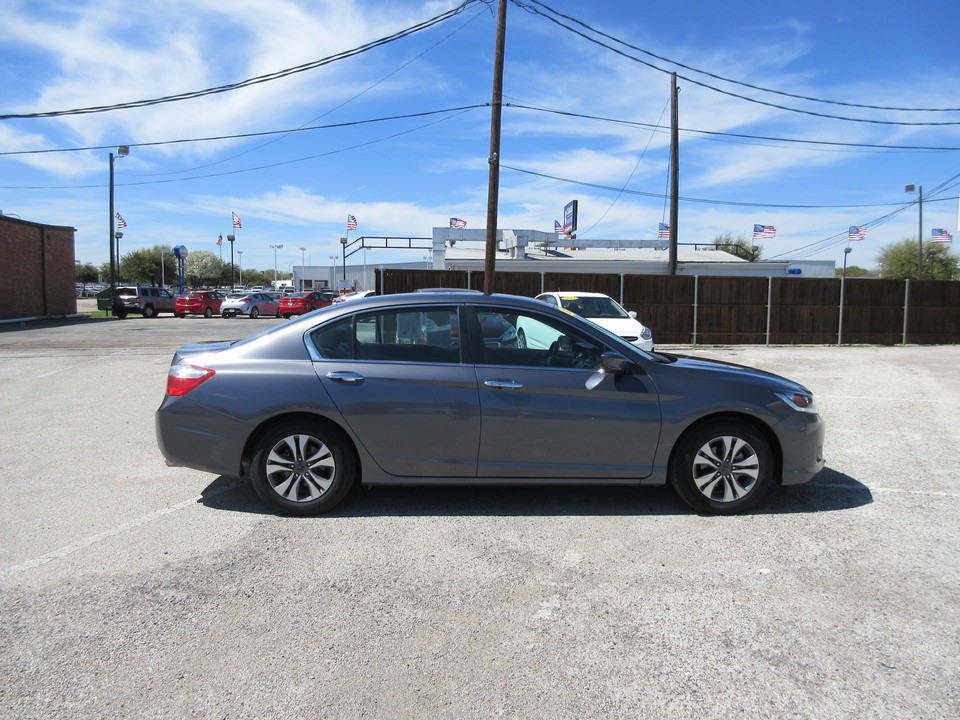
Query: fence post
769, 304
696, 296
906, 307
621, 289
843, 279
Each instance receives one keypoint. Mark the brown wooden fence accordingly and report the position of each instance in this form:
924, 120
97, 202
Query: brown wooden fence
709, 310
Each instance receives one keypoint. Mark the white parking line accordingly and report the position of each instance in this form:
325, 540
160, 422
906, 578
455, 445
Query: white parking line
112, 532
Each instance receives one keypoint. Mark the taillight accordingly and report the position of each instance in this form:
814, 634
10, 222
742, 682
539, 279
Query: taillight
183, 379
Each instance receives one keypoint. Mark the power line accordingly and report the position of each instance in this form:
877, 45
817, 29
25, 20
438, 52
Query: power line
875, 146
250, 81
535, 11
702, 201
264, 133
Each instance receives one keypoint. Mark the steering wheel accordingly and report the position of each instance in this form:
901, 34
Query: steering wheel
552, 354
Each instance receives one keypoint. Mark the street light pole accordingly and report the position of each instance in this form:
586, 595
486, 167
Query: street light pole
240, 261
919, 190
122, 151
116, 236
343, 243
275, 248
302, 251
231, 239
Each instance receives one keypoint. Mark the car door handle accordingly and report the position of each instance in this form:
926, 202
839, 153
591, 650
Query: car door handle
509, 384
345, 376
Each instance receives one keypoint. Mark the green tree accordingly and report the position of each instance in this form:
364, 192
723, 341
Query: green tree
900, 261
854, 271
738, 246
202, 268
87, 273
143, 266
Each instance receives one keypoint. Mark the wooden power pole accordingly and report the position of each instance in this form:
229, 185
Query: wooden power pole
493, 184
674, 172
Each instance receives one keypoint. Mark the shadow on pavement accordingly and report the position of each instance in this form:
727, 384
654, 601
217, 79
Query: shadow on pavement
829, 491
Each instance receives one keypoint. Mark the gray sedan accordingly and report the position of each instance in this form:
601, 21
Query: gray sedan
405, 389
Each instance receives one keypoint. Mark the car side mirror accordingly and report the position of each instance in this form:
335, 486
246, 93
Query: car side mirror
632, 313
616, 364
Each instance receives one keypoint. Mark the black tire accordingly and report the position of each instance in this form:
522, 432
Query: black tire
208, 313
180, 314
302, 467
225, 314
149, 311
723, 467
120, 313
254, 312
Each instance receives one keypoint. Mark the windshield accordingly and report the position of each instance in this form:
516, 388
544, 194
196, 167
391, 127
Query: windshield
593, 307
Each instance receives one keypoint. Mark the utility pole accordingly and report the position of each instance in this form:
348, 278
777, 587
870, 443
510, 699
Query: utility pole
674, 172
493, 183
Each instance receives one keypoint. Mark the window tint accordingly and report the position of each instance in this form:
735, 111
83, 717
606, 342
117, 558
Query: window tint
532, 340
419, 336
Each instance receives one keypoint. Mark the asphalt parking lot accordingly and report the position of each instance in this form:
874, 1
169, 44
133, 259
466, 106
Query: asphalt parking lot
134, 590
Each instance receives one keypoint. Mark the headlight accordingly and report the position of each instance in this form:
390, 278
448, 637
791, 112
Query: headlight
646, 334
799, 401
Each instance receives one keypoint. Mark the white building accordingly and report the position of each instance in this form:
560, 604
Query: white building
538, 251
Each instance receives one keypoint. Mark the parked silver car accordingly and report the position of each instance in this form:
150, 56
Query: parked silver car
403, 389
253, 304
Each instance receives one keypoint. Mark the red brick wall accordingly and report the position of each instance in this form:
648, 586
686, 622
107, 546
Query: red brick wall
41, 272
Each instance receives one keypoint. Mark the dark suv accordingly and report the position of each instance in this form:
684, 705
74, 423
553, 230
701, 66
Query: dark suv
148, 301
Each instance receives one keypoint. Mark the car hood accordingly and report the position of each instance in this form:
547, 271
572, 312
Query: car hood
732, 371
619, 326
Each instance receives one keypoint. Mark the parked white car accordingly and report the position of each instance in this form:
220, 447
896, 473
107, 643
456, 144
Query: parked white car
601, 310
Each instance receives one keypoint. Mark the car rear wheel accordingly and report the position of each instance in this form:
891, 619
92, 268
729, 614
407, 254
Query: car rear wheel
180, 314
724, 467
208, 313
302, 467
254, 312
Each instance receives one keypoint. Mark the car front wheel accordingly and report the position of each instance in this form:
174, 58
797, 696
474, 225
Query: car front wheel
149, 311
723, 467
254, 312
302, 468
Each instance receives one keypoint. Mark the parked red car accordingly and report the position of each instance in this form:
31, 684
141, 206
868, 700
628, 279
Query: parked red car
303, 302
199, 302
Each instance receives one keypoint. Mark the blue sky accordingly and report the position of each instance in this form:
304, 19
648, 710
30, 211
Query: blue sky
812, 177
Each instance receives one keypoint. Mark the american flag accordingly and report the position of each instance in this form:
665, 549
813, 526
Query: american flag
858, 232
664, 231
121, 223
763, 231
939, 235
351, 222
236, 220
558, 228
458, 223
220, 239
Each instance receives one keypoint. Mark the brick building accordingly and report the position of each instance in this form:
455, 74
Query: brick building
40, 277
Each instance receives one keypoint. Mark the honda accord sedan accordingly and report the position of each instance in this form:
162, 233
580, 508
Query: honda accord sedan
406, 389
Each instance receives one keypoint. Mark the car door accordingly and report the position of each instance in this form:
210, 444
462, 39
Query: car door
397, 377
552, 414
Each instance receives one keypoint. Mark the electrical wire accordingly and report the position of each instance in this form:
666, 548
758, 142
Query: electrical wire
532, 10
250, 81
520, 4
